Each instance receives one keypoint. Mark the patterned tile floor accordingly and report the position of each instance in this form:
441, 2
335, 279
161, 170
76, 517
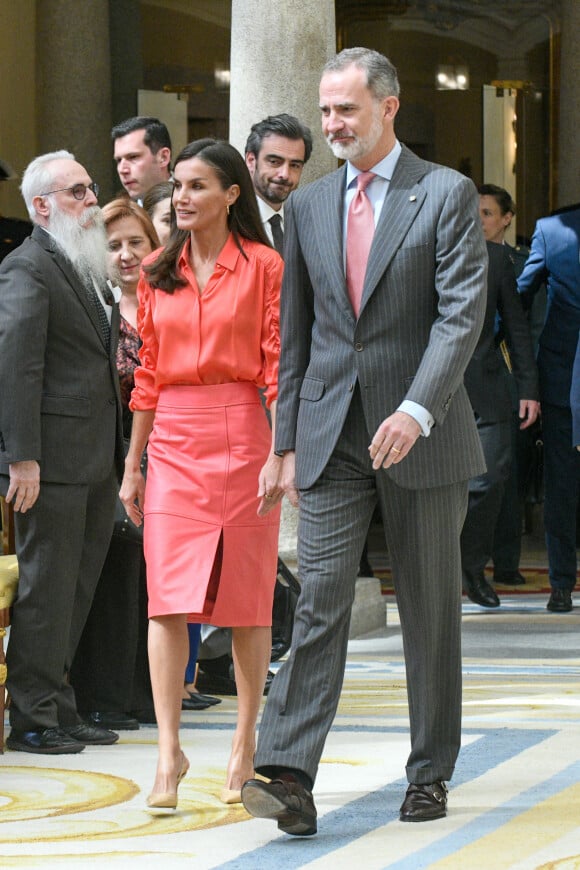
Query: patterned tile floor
514, 800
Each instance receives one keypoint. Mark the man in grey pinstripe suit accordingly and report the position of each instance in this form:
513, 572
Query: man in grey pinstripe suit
374, 409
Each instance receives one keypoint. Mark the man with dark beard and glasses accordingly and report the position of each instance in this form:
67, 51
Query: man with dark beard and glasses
60, 444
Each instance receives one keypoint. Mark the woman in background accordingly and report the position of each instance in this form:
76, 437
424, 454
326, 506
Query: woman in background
157, 204
209, 308
110, 672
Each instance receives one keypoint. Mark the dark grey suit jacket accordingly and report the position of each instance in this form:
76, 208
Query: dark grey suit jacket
422, 310
59, 389
486, 377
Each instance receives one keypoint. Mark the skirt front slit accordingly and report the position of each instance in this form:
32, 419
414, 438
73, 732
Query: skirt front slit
205, 453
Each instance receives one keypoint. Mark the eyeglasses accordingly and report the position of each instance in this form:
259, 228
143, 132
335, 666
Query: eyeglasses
79, 191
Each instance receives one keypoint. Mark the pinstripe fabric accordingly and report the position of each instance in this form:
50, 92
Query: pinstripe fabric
422, 309
421, 312
334, 519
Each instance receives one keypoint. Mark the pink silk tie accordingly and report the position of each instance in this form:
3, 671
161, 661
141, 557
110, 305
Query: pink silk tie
360, 228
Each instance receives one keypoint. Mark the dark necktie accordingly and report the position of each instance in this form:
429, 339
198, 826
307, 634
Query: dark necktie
276, 223
104, 324
360, 229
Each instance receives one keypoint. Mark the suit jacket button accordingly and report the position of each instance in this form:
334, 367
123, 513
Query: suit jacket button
359, 345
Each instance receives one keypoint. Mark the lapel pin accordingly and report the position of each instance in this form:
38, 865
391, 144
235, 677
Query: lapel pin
412, 198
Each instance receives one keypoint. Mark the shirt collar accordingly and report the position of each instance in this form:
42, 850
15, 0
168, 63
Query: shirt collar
384, 168
266, 210
227, 257
116, 291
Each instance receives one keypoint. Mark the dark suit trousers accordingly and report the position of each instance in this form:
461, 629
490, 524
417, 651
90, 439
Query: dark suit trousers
110, 670
61, 544
562, 493
485, 495
422, 529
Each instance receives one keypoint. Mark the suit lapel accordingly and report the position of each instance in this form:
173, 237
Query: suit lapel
46, 241
327, 207
402, 204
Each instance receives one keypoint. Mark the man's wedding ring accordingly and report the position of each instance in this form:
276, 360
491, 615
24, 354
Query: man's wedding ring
394, 450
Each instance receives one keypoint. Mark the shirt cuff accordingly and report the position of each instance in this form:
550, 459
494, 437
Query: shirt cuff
418, 413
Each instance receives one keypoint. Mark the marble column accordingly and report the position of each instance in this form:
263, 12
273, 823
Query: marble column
569, 146
277, 53
126, 57
74, 84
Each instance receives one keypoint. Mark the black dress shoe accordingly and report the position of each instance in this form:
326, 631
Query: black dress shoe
423, 803
194, 702
90, 734
479, 591
111, 721
560, 601
217, 684
289, 803
209, 699
509, 578
49, 741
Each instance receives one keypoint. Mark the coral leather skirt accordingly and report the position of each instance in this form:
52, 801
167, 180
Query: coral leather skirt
208, 553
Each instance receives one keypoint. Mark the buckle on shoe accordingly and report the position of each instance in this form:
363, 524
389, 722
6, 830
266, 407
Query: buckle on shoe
440, 791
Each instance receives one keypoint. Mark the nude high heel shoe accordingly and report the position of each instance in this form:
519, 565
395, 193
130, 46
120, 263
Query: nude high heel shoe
234, 795
231, 796
165, 802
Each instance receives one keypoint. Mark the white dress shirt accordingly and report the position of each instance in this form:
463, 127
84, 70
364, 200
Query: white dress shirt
266, 212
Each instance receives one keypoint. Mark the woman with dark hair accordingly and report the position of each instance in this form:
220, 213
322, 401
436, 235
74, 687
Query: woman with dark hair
208, 320
157, 204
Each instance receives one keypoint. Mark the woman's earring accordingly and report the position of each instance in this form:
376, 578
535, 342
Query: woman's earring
227, 208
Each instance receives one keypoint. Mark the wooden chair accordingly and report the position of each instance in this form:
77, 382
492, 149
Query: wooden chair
8, 587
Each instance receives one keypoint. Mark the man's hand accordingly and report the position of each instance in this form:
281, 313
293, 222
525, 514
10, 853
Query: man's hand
529, 412
287, 478
393, 439
24, 484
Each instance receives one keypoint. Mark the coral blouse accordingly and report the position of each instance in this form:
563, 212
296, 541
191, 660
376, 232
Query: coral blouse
228, 333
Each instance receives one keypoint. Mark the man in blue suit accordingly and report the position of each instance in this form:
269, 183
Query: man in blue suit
575, 398
554, 259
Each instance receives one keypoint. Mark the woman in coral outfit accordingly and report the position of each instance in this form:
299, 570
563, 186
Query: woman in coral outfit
208, 320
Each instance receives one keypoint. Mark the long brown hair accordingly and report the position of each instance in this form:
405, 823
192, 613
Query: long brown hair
244, 221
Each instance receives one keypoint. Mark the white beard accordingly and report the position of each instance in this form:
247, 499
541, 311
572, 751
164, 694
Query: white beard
83, 241
361, 145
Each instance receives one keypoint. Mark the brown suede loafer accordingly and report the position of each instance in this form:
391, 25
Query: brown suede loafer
289, 803
423, 803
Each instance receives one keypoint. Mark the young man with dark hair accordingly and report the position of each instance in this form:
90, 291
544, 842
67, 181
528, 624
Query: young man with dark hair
142, 152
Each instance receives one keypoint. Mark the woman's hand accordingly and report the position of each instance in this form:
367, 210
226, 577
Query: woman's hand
270, 491
132, 494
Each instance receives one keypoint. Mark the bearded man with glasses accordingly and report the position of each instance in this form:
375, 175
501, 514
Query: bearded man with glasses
60, 444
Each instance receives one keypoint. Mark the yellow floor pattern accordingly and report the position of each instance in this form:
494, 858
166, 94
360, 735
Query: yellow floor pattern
514, 801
